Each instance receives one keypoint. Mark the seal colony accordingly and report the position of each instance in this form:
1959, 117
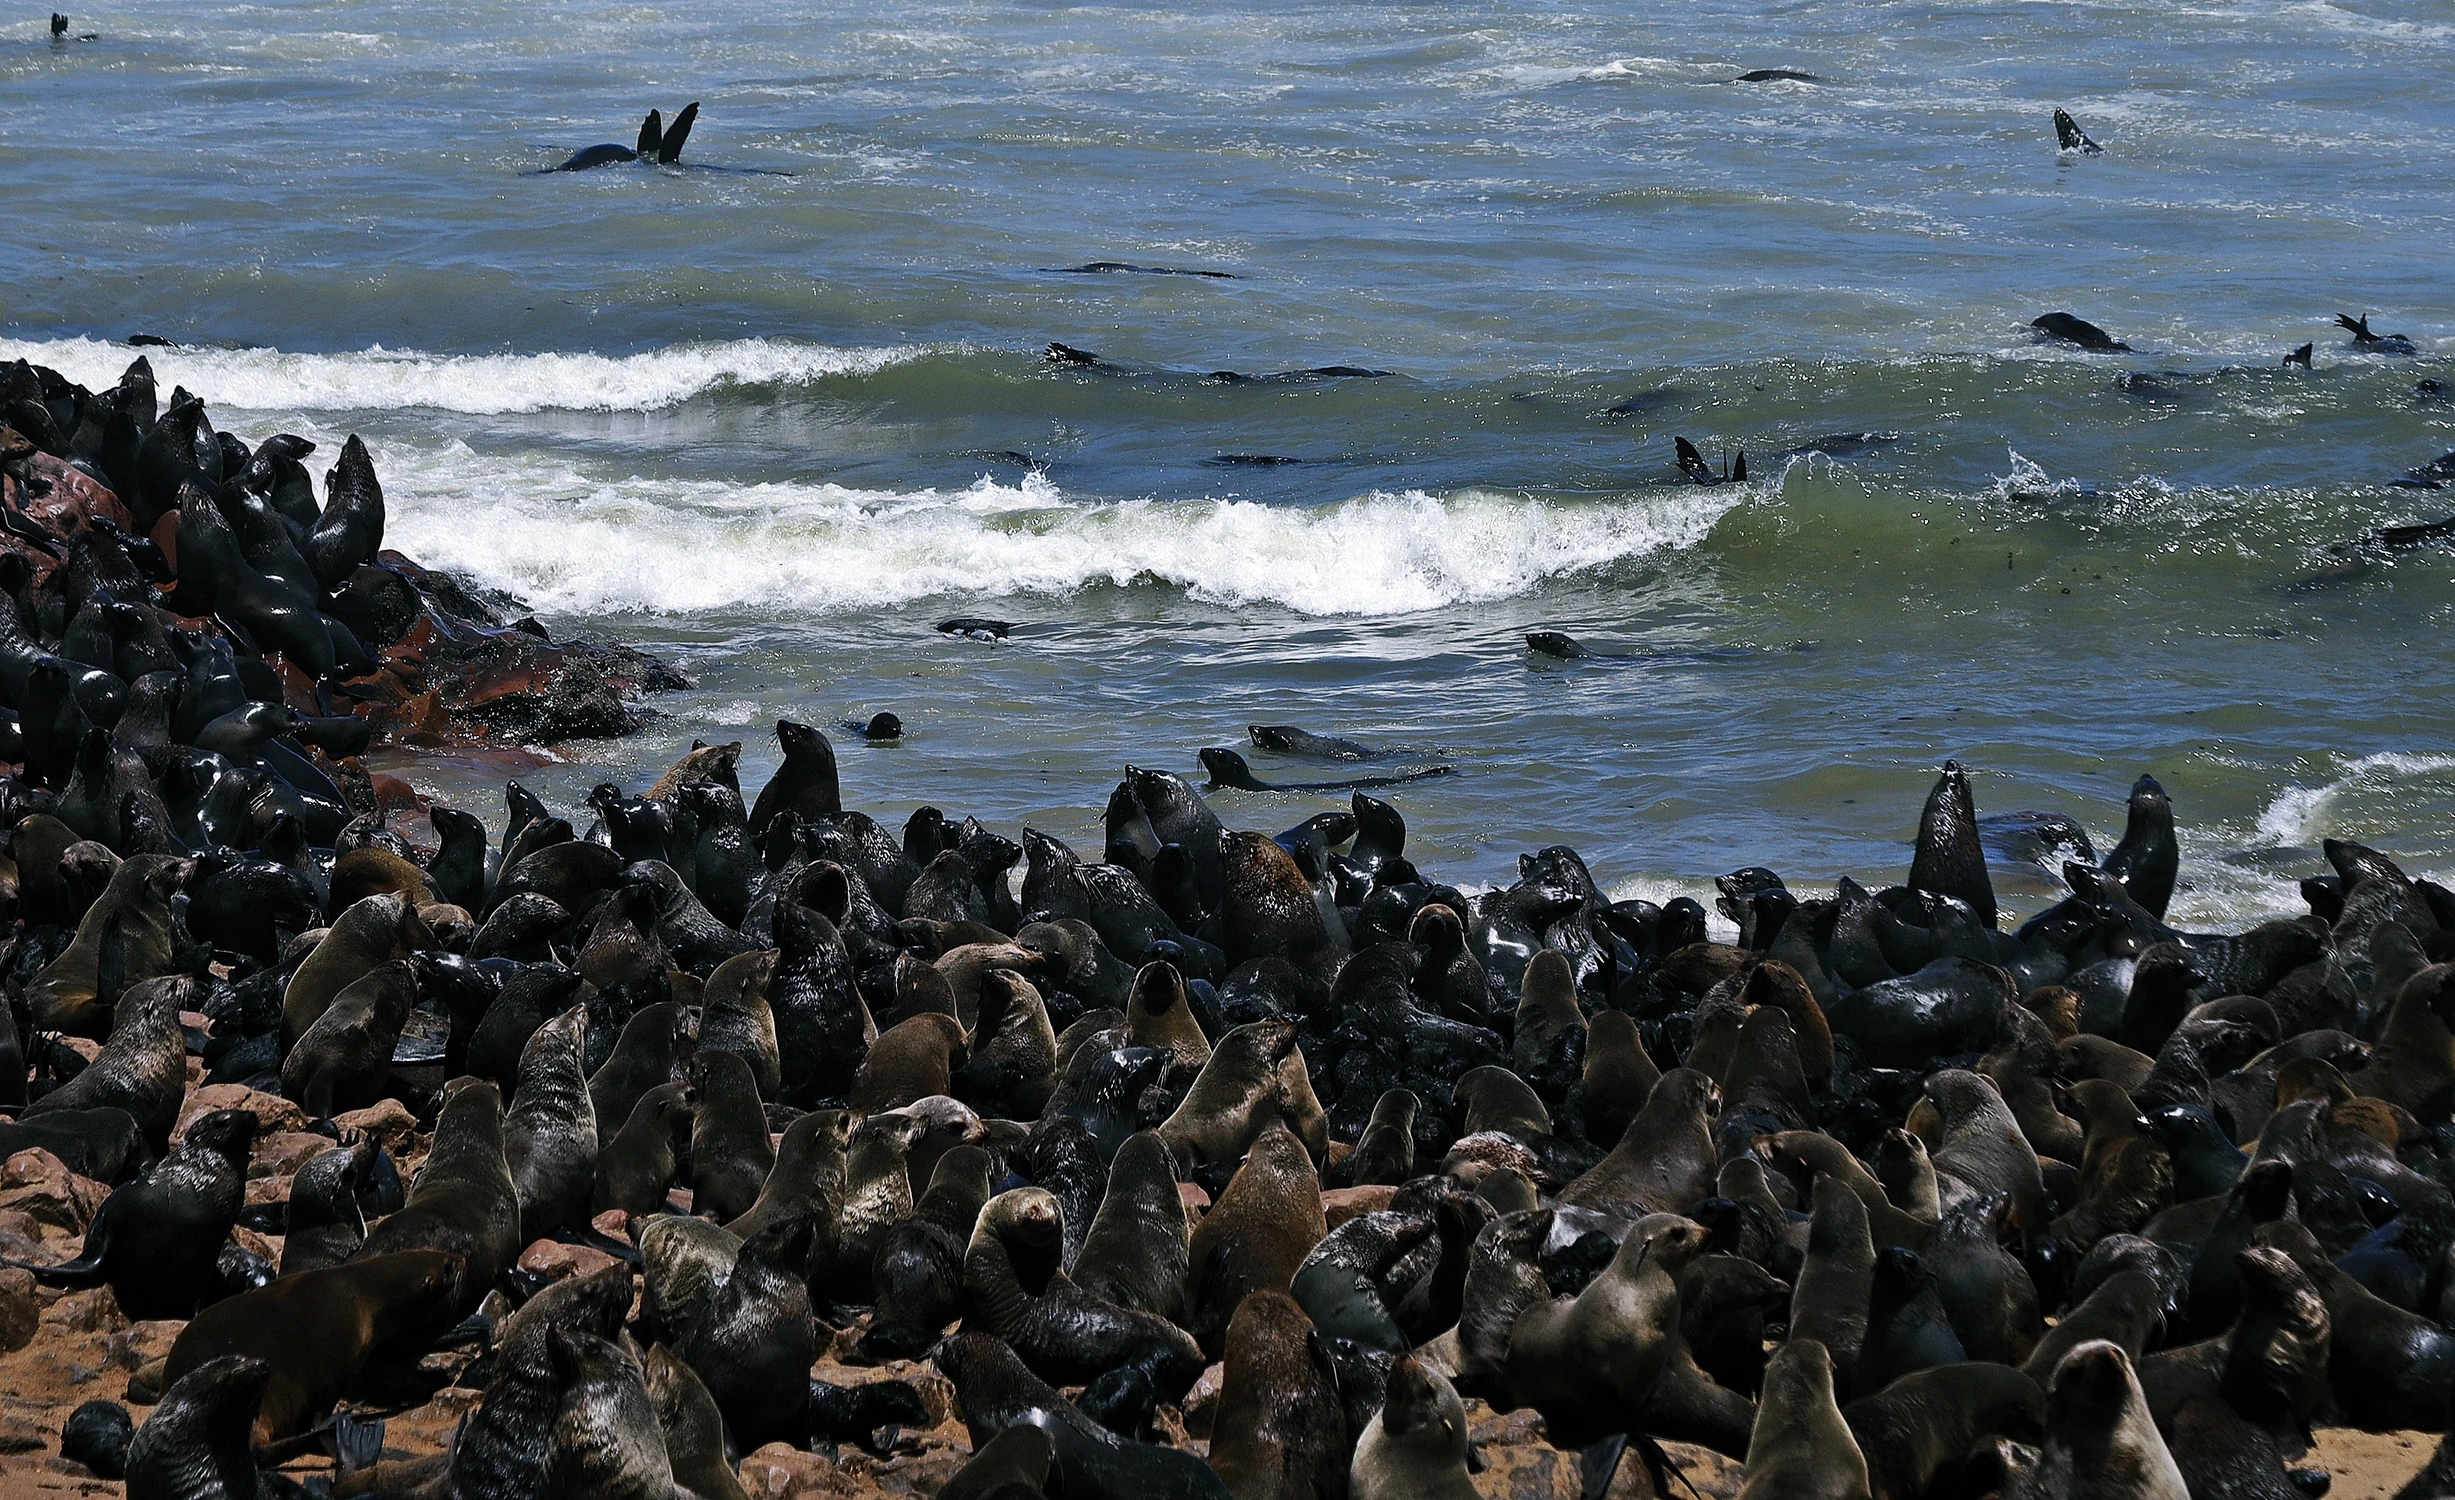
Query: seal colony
696, 1143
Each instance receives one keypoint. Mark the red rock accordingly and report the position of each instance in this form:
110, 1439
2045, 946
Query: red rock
94, 1310
20, 1311
388, 1120
39, 1184
21, 1236
552, 1258
780, 1471
76, 497
1196, 1200
273, 1113
1338, 1205
281, 1155
614, 1224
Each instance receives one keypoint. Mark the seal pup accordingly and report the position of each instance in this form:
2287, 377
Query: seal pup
604, 1442
142, 1068
2064, 328
1415, 1446
2068, 136
637, 1168
1801, 1448
343, 1059
2100, 1441
730, 1153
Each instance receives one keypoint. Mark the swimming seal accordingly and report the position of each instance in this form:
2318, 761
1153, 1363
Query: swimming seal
2065, 328
1228, 769
2375, 343
2069, 137
657, 141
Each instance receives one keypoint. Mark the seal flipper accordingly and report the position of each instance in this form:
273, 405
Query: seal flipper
669, 150
1692, 463
1598, 1463
2068, 136
651, 134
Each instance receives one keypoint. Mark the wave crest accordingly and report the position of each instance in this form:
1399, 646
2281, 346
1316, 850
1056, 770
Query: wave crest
269, 380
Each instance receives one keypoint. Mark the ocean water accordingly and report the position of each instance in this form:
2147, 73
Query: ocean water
778, 411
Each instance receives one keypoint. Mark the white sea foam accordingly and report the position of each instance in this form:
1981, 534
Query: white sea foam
573, 542
2298, 815
269, 380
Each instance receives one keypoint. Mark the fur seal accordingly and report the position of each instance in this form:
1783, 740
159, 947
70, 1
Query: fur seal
2065, 328
1415, 1446
1664, 1162
2069, 137
373, 931
135, 906
1014, 1285
1802, 1449
1280, 1428
2375, 343
916, 1273
808, 1177
1951, 859
730, 1154
195, 1445
501, 1450
157, 1242
313, 1331
1256, 1236
1830, 1295
805, 784
1590, 1363
142, 1068
998, 1392
1014, 1463
752, 1338
343, 1058
463, 1201
647, 1054
734, 1016
638, 1166
694, 1429
2100, 1441
550, 1130
604, 1442
324, 1223
1138, 1247
1917, 1433
657, 142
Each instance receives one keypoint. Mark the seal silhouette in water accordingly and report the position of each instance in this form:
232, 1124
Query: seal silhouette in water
2375, 343
2071, 330
1228, 769
2068, 136
1692, 464
658, 142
